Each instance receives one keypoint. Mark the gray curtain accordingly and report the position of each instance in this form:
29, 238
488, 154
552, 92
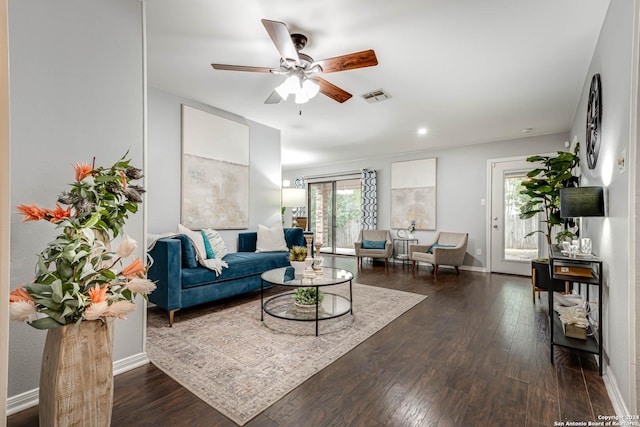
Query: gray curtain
369, 203
300, 183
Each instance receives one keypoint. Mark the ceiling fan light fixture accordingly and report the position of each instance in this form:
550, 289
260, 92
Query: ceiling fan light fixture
301, 97
289, 86
310, 88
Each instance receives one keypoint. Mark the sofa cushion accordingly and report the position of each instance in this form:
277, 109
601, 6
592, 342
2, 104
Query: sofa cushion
188, 252
241, 264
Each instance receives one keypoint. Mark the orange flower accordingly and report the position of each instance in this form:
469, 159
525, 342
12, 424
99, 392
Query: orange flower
31, 212
58, 214
136, 268
19, 294
98, 294
123, 179
83, 170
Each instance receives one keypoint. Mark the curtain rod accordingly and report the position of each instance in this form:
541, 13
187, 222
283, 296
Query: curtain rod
333, 175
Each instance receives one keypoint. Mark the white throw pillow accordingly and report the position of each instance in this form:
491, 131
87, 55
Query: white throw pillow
271, 239
216, 242
196, 238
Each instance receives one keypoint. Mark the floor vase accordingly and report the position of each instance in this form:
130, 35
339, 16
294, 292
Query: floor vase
76, 377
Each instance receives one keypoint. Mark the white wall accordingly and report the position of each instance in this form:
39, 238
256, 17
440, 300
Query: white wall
461, 184
164, 166
612, 58
5, 170
76, 91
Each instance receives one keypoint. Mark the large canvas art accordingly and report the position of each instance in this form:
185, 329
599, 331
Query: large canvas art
413, 194
215, 171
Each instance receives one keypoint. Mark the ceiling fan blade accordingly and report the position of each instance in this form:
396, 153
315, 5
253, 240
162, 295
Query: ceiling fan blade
366, 58
242, 68
332, 91
274, 98
279, 33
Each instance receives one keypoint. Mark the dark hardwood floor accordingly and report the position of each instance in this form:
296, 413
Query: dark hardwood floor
474, 353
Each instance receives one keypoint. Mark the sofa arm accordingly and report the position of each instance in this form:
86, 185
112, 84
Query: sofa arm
165, 271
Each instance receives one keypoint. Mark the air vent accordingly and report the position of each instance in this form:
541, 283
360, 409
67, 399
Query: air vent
375, 96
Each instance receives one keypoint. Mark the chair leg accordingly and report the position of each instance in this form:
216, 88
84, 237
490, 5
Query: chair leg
533, 285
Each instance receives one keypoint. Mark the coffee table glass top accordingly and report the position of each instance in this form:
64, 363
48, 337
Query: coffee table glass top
286, 276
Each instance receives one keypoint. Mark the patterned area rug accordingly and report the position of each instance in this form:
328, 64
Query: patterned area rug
241, 366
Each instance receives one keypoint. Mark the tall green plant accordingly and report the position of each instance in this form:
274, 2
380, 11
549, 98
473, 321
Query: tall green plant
543, 185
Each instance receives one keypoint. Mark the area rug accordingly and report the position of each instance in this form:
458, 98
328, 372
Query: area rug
241, 366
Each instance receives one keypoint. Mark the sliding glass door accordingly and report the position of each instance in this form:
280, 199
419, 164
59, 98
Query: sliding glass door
334, 214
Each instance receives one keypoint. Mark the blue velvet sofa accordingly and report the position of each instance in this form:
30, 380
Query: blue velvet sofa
181, 282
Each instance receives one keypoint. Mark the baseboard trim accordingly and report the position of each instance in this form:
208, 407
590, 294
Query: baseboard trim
128, 363
613, 391
22, 401
462, 267
30, 398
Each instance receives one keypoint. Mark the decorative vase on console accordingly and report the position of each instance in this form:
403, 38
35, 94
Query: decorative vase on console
79, 288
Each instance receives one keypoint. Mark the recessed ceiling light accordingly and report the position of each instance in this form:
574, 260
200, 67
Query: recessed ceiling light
526, 130
422, 131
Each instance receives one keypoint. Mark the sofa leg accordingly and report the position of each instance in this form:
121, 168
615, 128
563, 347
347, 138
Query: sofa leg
171, 313
413, 265
386, 263
435, 270
457, 270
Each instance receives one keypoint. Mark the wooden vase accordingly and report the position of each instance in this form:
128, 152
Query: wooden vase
76, 378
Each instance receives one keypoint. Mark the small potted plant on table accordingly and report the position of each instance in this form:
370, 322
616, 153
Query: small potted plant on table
297, 257
305, 298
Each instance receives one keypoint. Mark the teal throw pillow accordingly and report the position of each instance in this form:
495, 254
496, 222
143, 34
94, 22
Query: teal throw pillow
373, 244
438, 245
207, 246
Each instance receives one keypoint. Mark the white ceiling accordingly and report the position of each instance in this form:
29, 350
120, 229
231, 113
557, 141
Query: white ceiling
470, 71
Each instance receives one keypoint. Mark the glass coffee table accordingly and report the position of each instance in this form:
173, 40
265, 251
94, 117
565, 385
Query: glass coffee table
283, 306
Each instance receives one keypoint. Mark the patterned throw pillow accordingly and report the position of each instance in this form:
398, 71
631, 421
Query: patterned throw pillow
218, 246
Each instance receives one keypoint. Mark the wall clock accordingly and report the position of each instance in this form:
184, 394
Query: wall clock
594, 116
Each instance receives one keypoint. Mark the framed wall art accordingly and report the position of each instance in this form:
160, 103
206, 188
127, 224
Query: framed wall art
413, 194
215, 171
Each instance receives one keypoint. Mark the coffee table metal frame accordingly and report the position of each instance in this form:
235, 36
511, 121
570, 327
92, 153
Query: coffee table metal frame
285, 276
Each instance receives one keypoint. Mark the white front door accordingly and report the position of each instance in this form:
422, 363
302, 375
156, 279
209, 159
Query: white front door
511, 251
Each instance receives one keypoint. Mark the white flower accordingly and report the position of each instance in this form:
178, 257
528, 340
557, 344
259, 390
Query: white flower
95, 310
24, 311
127, 247
141, 286
120, 308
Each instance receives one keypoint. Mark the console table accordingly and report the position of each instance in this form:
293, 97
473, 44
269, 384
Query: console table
581, 269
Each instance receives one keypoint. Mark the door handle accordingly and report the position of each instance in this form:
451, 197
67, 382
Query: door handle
495, 226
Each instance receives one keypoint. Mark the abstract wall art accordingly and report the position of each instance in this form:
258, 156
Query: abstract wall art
215, 171
413, 194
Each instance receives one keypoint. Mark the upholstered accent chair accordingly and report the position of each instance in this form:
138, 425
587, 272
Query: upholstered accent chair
374, 244
447, 249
